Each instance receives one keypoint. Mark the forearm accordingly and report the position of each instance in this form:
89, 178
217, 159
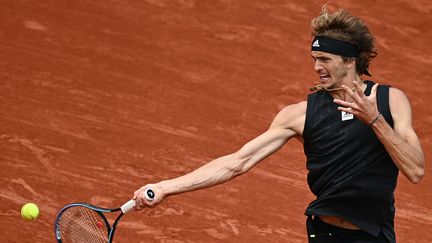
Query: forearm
227, 167
408, 158
215, 172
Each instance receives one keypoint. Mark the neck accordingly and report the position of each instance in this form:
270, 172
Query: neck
339, 93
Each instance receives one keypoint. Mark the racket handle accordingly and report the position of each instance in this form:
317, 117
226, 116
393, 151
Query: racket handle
127, 207
149, 196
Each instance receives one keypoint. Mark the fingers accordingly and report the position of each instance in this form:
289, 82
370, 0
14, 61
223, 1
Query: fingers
140, 198
346, 106
346, 109
148, 196
357, 96
374, 90
343, 103
357, 93
350, 92
358, 88
362, 106
135, 195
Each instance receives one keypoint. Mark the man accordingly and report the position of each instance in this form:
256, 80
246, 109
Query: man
357, 136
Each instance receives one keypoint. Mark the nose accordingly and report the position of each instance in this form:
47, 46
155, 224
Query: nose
317, 65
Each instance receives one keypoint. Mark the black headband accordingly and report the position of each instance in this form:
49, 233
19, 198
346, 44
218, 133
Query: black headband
333, 46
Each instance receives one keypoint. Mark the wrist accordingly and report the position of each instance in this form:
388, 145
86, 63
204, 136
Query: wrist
165, 188
375, 119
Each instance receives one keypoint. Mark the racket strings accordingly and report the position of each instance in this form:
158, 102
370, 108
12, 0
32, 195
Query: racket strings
81, 224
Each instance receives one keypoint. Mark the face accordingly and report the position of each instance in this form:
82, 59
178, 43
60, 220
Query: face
332, 70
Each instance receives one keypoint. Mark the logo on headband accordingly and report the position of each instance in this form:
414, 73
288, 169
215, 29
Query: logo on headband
334, 46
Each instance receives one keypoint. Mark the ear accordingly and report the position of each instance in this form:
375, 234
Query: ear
350, 62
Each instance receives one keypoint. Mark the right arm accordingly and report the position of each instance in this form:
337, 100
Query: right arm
287, 124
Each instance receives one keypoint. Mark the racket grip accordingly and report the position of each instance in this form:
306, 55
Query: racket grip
127, 207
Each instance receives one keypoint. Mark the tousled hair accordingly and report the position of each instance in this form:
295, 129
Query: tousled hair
342, 25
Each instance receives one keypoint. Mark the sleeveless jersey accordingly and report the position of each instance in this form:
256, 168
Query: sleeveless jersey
349, 170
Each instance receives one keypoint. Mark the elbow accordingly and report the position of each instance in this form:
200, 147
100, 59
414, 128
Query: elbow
237, 166
236, 169
416, 177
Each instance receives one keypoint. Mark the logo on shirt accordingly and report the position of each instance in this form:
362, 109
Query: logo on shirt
346, 116
316, 44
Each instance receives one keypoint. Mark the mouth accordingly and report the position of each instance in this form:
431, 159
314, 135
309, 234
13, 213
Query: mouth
324, 78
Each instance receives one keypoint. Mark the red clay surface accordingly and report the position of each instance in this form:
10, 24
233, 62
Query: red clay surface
100, 97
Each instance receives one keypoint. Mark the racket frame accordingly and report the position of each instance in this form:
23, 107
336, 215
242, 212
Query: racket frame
100, 211
125, 208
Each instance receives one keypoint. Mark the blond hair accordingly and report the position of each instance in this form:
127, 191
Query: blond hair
342, 25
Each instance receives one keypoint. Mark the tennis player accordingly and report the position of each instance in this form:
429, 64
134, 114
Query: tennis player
357, 136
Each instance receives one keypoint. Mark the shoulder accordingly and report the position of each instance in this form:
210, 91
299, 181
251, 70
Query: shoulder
291, 117
399, 105
396, 93
295, 108
397, 97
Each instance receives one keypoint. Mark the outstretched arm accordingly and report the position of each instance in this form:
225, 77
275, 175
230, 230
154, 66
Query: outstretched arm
284, 126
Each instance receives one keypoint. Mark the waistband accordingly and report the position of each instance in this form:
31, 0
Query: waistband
318, 229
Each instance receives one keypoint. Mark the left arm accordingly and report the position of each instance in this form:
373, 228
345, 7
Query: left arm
401, 141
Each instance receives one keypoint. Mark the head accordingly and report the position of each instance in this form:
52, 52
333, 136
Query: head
341, 37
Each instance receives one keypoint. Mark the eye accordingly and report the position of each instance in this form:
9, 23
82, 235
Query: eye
323, 59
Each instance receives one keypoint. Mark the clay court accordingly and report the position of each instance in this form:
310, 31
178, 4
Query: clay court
98, 98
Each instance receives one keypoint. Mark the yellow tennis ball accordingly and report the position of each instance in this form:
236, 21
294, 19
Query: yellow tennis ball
30, 211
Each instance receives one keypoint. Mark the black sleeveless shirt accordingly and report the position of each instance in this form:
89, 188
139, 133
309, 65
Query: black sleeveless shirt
350, 171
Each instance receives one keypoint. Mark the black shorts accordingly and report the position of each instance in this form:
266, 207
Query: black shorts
321, 232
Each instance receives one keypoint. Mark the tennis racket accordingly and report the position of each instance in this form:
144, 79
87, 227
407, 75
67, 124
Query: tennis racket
83, 222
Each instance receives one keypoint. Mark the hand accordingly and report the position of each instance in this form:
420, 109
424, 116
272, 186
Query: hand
142, 200
363, 107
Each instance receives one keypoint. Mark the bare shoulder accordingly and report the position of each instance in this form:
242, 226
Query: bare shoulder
399, 106
291, 117
396, 94
297, 109
398, 99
